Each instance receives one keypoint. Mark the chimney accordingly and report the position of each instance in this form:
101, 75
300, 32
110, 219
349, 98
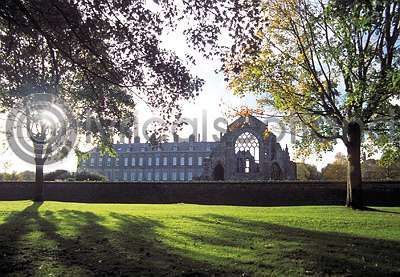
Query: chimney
121, 138
176, 137
192, 138
136, 139
198, 137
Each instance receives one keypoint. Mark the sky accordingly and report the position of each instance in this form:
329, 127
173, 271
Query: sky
208, 109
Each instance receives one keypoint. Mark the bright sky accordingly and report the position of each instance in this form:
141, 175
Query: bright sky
208, 109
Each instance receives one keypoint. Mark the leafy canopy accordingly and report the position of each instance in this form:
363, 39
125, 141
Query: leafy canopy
325, 64
102, 57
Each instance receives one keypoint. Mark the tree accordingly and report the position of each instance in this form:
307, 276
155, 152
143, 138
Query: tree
26, 176
14, 176
392, 171
102, 57
333, 67
8, 176
379, 170
89, 176
336, 170
307, 172
59, 174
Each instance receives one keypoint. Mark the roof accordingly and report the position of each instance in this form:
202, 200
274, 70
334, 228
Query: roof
166, 146
246, 121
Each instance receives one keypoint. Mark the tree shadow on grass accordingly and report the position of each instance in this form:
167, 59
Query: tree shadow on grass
132, 248
88, 248
13, 255
369, 209
77, 243
308, 252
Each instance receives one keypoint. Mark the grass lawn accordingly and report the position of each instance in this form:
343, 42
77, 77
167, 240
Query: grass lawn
70, 239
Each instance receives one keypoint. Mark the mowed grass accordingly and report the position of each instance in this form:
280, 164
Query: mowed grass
71, 239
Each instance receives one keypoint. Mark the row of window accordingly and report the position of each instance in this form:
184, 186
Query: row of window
157, 176
140, 161
160, 148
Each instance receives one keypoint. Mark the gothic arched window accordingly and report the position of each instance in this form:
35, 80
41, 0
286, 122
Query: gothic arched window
247, 150
248, 142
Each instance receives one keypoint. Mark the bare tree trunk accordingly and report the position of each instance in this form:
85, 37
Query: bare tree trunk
39, 161
354, 182
38, 187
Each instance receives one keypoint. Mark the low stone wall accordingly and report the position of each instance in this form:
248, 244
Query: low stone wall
16, 190
380, 193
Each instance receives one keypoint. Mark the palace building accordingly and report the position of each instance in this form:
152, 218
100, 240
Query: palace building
247, 151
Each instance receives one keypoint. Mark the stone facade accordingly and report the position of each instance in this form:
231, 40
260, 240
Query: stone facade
171, 161
247, 151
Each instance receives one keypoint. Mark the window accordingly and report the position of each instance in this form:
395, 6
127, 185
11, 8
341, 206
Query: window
200, 161
92, 161
100, 162
191, 148
182, 160
157, 161
133, 161
174, 161
140, 176
141, 161
116, 175
174, 148
276, 172
208, 147
125, 175
116, 161
173, 175
149, 176
157, 175
108, 161
142, 149
190, 161
157, 148
126, 161
182, 176
149, 161
132, 176
165, 162
190, 176
247, 166
247, 143
247, 152
165, 176
83, 162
